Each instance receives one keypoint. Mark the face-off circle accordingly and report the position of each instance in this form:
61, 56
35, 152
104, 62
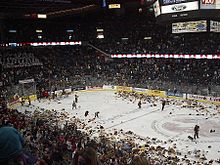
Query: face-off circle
180, 126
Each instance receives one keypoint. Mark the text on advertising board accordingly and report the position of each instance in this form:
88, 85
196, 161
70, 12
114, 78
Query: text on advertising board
170, 2
208, 1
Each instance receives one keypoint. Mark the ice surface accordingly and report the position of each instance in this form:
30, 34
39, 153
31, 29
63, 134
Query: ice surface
172, 125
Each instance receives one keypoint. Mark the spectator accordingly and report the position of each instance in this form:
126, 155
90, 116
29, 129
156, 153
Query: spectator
11, 143
87, 156
138, 160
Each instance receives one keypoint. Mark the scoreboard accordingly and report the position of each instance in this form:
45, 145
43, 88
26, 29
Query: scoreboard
186, 10
204, 4
210, 4
180, 7
171, 2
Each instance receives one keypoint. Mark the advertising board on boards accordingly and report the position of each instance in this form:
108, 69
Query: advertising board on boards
124, 88
176, 94
156, 93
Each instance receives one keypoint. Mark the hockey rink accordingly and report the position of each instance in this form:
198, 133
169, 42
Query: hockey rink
170, 127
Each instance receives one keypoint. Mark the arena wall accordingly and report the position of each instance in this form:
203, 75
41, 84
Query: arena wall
157, 93
16, 101
160, 93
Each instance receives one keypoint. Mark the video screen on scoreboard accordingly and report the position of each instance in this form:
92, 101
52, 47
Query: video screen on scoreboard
189, 27
209, 4
156, 7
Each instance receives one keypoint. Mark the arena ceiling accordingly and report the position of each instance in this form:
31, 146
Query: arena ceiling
59, 8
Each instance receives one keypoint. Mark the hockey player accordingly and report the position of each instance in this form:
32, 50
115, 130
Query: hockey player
86, 113
76, 98
139, 104
163, 104
22, 101
96, 114
29, 101
74, 105
196, 131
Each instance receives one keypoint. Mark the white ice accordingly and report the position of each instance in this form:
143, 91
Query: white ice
172, 125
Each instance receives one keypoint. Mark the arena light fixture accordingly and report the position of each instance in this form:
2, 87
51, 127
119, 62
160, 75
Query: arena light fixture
99, 30
41, 16
114, 6
39, 31
12, 31
69, 31
100, 36
147, 38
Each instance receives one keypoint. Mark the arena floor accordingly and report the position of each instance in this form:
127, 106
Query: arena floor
170, 127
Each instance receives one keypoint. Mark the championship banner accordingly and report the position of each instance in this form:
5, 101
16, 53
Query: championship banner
123, 88
156, 93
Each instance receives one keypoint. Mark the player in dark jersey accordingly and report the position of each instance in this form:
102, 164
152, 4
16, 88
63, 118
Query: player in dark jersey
74, 105
139, 104
163, 104
86, 113
96, 114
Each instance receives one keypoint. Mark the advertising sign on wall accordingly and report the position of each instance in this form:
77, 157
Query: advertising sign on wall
189, 27
214, 26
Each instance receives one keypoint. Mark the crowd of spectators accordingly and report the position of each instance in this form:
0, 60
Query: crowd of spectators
61, 67
45, 137
140, 34
50, 137
42, 139
80, 65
